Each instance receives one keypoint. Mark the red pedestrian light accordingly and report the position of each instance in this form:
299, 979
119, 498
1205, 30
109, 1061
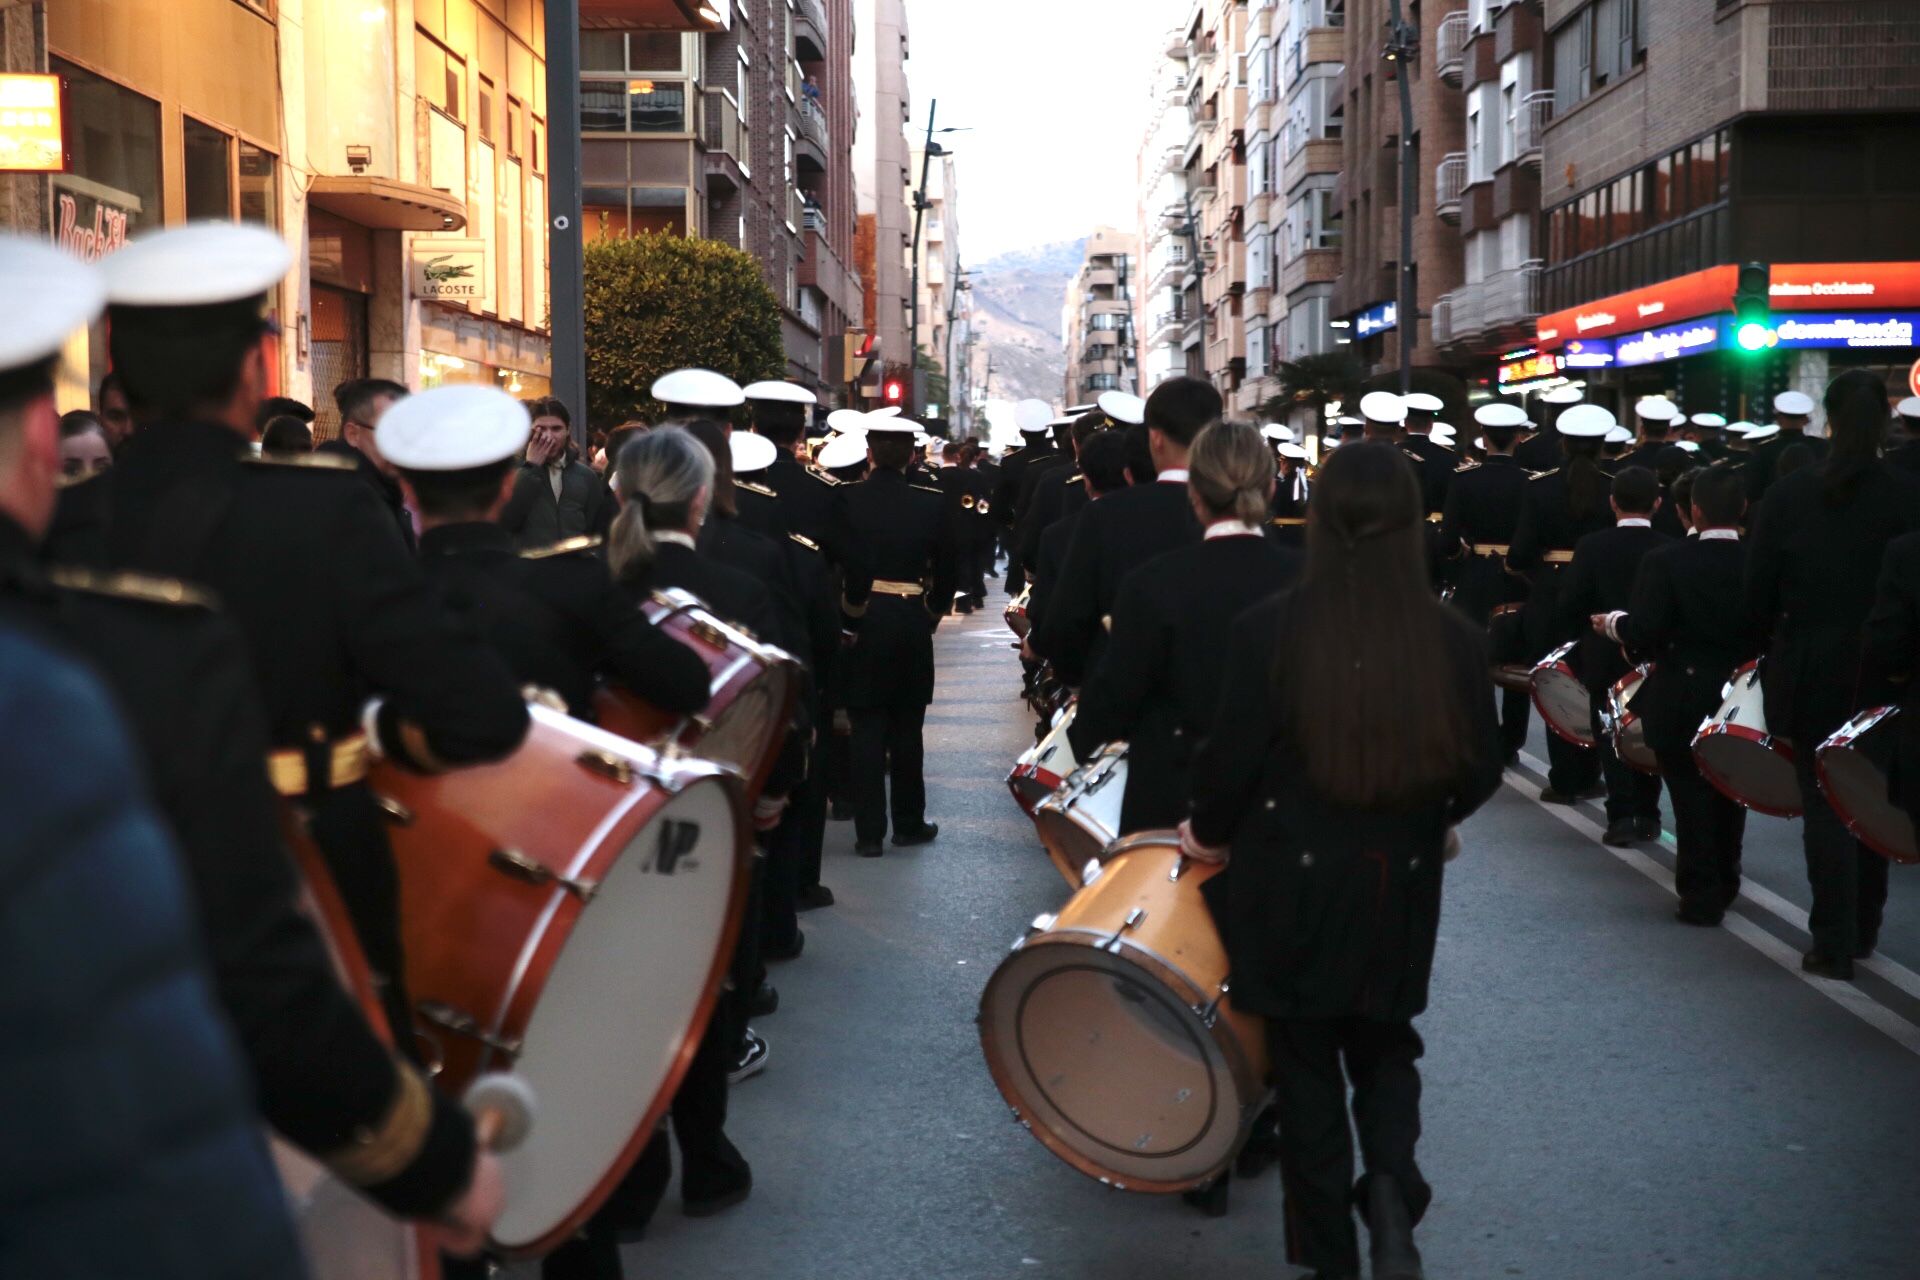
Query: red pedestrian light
895, 391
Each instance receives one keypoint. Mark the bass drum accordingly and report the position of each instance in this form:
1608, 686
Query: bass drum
1042, 767
1563, 701
1504, 646
1624, 725
750, 707
344, 1235
1016, 613
568, 914
1744, 762
1851, 765
1109, 1032
1082, 818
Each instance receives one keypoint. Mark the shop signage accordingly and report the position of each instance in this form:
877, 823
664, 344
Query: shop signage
1865, 329
1587, 353
449, 269
1671, 342
1848, 286
87, 226
1376, 319
31, 138
1527, 369
1913, 378
1700, 294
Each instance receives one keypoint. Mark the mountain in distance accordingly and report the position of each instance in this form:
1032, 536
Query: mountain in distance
1017, 298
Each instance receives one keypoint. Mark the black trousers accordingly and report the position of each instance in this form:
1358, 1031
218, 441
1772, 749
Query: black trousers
1514, 706
1708, 830
887, 748
836, 760
785, 848
1569, 768
1630, 793
1849, 880
1316, 1149
807, 812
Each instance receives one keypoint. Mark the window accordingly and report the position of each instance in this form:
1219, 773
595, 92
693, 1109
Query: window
1308, 333
633, 106
1601, 44
113, 140
1256, 351
259, 189
1259, 274
209, 170
515, 113
629, 51
484, 110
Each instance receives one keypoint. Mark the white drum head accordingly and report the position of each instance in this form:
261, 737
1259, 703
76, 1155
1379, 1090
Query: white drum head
343, 1235
1858, 790
1564, 703
1112, 1064
1748, 772
610, 1022
1083, 818
743, 729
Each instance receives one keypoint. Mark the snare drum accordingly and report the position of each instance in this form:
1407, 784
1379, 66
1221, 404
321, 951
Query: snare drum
1503, 643
1016, 613
1624, 725
1109, 1032
1740, 758
750, 706
1564, 703
1042, 767
1855, 784
568, 913
1082, 818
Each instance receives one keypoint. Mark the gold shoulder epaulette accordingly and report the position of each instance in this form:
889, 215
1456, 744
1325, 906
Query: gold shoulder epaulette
751, 487
310, 461
143, 587
585, 542
805, 541
1468, 465
824, 478
1287, 522
1542, 475
1076, 478
1412, 455
927, 488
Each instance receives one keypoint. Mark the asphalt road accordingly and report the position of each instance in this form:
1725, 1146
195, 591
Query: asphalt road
1609, 1094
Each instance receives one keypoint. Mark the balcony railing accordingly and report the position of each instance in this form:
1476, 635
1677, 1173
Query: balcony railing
722, 132
813, 121
1440, 323
1536, 110
1203, 49
1482, 309
1449, 180
811, 11
814, 217
1450, 48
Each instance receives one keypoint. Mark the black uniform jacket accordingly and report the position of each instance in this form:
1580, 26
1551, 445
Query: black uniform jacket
1008, 483
731, 541
78, 534
181, 677
1540, 451
895, 531
1061, 492
1327, 911
384, 487
1046, 572
1600, 580
1811, 576
1547, 524
1158, 683
559, 620
806, 497
1483, 509
1892, 663
1111, 538
1435, 465
1687, 616
1904, 457
1763, 464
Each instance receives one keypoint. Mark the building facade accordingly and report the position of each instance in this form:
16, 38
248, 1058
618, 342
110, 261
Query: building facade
884, 182
1166, 251
944, 325
1216, 179
1097, 322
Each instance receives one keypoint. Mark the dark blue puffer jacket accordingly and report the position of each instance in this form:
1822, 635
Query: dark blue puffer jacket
128, 1143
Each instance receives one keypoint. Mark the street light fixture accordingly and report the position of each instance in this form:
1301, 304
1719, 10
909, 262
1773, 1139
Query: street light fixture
1403, 46
920, 207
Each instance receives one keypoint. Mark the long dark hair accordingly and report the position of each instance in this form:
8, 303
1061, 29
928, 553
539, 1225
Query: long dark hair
1587, 485
1363, 679
1857, 416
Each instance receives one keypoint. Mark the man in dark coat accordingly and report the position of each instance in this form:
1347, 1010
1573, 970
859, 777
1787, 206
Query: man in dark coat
363, 402
1035, 419
1477, 526
1598, 582
1792, 410
1654, 419
556, 496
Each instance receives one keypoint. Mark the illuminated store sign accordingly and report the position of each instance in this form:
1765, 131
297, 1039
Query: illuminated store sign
1865, 329
1587, 353
1376, 319
1815, 286
1671, 342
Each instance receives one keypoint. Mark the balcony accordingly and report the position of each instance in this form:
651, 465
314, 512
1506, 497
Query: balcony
1494, 312
796, 211
809, 28
1202, 51
1536, 112
1167, 326
1449, 180
1450, 47
821, 268
657, 15
1205, 118
1440, 322
810, 150
723, 138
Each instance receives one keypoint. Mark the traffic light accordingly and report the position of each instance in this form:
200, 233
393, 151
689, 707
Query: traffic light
895, 391
1753, 309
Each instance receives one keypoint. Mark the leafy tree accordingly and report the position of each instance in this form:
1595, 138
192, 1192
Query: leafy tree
1315, 382
660, 302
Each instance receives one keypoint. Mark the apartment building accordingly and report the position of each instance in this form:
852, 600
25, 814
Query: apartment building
1166, 250
1216, 180
1097, 322
945, 315
884, 179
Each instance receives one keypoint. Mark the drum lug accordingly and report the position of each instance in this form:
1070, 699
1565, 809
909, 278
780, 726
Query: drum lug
398, 814
1211, 1013
1179, 865
519, 865
1091, 872
462, 1023
1044, 921
608, 765
1134, 917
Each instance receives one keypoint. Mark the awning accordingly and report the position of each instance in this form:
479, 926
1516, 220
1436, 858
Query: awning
657, 15
387, 204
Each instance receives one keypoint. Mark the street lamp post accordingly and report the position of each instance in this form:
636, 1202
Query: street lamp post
565, 254
1403, 46
920, 207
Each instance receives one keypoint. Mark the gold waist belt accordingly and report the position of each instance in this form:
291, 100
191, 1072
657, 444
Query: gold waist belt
1557, 557
884, 587
1488, 549
349, 762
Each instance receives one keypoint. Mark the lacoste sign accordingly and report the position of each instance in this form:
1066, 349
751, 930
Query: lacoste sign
449, 270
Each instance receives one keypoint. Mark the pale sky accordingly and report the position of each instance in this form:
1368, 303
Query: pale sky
1056, 96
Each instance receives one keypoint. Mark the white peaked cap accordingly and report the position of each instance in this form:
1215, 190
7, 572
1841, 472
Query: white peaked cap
1707, 420
880, 422
1564, 395
1908, 408
849, 420
1421, 402
891, 411
1767, 432
1657, 409
1033, 416
1500, 415
1742, 428
196, 265
842, 451
1795, 403
1274, 431
453, 429
1383, 406
1291, 450
750, 452
1586, 422
1441, 434
702, 388
1618, 435
784, 392
49, 295
1688, 445
1123, 406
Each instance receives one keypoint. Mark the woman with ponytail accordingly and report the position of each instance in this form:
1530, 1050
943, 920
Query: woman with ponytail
1158, 680
1818, 540
1355, 728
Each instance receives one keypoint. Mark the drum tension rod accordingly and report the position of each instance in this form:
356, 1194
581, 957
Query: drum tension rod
1134, 917
607, 765
1210, 1014
462, 1023
397, 813
518, 864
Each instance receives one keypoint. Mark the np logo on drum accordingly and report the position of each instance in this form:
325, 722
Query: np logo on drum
677, 840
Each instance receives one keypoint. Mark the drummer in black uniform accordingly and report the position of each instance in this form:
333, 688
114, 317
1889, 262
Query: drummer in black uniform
1792, 410
1035, 420
1655, 417
1482, 513
900, 575
1559, 508
1433, 461
1903, 443
1541, 450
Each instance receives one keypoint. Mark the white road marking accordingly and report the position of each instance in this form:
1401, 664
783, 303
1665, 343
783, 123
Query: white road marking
1845, 994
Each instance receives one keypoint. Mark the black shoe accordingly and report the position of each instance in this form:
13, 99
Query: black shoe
840, 811
1621, 832
812, 896
1647, 828
752, 1060
1697, 915
867, 848
765, 1002
1513, 759
1262, 1148
1391, 1228
1551, 794
923, 834
710, 1190
1212, 1198
1867, 946
1821, 965
791, 951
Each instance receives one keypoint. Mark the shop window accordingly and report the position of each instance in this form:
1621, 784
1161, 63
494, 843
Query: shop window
514, 115
537, 248
113, 142
208, 155
603, 51
483, 117
514, 217
633, 106
484, 223
259, 186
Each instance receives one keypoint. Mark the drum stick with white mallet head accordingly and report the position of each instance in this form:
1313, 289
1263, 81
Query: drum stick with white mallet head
503, 1108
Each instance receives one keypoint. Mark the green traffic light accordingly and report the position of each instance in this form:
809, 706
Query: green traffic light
1754, 336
